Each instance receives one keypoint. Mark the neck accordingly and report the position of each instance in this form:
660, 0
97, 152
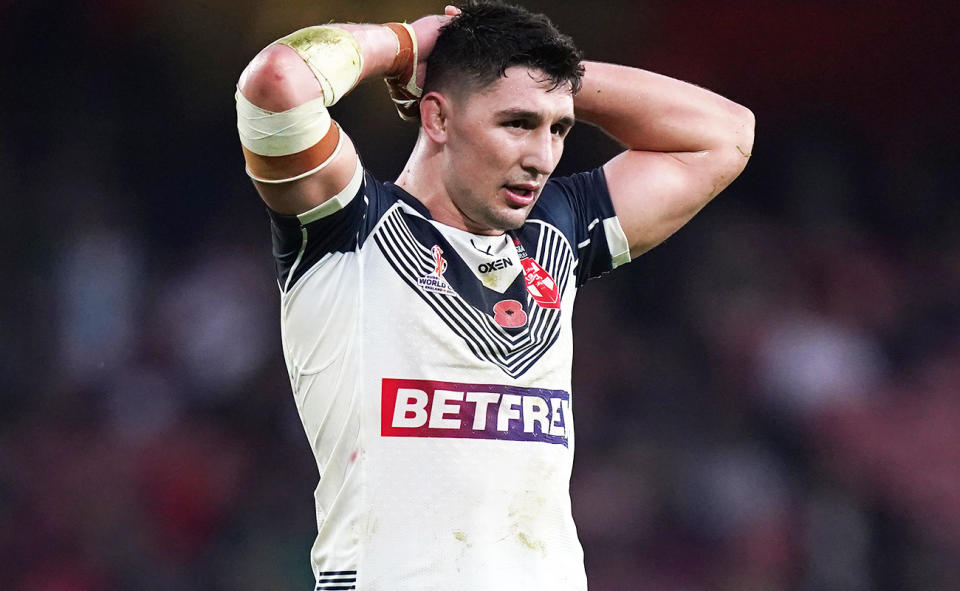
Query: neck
423, 178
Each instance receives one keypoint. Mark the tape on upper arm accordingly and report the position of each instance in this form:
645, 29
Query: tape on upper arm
286, 146
290, 145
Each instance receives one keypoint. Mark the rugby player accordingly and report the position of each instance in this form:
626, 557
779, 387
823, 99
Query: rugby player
426, 322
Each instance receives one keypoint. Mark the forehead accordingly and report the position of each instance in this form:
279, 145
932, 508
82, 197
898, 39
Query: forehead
525, 88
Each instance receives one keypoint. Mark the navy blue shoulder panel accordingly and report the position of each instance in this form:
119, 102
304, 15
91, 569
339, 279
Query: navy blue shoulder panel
297, 247
577, 205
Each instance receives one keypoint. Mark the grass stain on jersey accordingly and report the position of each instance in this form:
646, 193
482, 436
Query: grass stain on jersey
529, 543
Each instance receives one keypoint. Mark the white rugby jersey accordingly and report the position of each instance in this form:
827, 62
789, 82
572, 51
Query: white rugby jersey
434, 385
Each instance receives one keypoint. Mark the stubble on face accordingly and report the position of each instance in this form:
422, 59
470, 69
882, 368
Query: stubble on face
502, 148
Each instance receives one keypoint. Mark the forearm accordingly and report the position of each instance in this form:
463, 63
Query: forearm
379, 47
650, 112
293, 149
278, 78
685, 145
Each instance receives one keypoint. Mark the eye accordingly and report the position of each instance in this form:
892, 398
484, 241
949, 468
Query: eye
560, 130
516, 123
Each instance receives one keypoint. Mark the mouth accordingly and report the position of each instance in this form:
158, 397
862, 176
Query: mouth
521, 194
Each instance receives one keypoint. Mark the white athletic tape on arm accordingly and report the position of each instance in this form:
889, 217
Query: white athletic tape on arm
403, 87
333, 55
280, 134
412, 82
305, 174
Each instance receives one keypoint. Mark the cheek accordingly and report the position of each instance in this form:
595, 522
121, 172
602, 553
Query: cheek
503, 152
485, 161
484, 158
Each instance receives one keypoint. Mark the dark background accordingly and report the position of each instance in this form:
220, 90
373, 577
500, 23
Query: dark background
768, 401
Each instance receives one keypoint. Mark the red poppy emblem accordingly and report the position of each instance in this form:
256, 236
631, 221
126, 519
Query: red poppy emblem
509, 314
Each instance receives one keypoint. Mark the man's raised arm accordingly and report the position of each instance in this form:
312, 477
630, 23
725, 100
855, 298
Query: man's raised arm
685, 144
297, 156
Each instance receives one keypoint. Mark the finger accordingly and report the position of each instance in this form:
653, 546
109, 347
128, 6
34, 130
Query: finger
451, 10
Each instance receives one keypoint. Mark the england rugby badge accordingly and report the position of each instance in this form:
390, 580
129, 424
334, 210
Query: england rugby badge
540, 285
434, 282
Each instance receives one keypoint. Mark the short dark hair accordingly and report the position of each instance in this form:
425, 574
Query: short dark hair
476, 47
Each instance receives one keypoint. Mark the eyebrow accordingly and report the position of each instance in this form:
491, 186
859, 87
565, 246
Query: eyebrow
518, 113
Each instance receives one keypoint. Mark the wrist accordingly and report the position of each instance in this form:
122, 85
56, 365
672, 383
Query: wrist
405, 58
402, 78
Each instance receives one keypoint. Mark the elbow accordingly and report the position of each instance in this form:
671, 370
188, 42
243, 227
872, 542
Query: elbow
737, 146
277, 79
743, 132
738, 142
747, 125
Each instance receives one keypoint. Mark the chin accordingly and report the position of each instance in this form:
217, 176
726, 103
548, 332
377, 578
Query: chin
502, 220
512, 221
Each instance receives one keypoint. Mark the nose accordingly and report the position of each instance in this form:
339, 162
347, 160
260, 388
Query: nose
542, 153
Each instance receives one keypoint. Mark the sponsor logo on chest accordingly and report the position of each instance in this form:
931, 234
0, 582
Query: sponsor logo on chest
498, 265
424, 408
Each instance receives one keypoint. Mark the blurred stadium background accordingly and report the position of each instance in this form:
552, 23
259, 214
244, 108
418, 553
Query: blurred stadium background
768, 401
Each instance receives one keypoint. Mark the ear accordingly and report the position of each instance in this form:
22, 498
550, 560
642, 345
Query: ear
434, 114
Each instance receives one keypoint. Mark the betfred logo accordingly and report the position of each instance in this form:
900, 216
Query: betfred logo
422, 408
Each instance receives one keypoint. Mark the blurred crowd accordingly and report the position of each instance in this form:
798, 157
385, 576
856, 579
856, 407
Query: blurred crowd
768, 401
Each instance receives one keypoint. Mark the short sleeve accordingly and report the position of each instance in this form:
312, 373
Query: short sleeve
580, 205
339, 224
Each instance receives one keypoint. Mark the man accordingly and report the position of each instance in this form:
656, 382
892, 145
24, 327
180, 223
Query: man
426, 323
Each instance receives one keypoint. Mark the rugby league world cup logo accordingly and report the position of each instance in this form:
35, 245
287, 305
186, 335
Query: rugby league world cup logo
434, 281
